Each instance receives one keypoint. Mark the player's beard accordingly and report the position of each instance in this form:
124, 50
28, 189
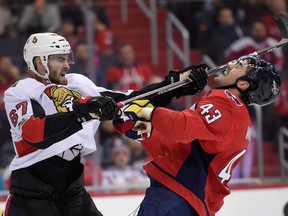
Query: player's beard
58, 77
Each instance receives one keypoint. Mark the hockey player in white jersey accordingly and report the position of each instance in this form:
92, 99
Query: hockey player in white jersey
53, 118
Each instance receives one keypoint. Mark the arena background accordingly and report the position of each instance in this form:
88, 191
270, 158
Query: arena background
165, 35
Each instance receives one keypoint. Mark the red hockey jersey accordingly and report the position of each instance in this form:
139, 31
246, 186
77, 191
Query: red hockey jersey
195, 151
134, 77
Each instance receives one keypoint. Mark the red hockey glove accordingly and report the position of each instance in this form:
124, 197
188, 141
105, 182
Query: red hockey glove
100, 107
198, 75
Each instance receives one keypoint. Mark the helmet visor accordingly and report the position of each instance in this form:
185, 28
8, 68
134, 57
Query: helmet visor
251, 62
61, 58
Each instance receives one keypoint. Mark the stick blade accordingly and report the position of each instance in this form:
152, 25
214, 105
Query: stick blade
282, 23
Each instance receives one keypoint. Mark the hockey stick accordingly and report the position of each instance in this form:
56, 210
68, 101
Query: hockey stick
282, 23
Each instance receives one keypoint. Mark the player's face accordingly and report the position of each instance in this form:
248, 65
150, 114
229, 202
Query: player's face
234, 70
58, 66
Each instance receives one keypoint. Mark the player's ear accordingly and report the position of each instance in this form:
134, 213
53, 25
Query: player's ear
38, 61
243, 84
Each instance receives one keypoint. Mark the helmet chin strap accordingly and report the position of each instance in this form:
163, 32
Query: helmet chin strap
46, 76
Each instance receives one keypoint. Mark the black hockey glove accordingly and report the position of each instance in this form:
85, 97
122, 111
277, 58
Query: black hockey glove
100, 107
198, 75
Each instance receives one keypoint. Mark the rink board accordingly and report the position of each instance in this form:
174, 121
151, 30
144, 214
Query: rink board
241, 202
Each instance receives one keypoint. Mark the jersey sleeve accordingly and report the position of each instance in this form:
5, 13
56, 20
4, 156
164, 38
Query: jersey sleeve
29, 122
210, 121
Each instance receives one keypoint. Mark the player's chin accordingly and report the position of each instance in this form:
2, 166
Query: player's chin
218, 80
61, 79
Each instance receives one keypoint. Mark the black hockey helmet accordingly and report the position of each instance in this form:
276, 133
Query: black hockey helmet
264, 82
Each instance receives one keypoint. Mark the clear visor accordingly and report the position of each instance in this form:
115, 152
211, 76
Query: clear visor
251, 61
62, 58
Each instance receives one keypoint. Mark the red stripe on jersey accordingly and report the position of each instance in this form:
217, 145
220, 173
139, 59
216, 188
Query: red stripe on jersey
7, 205
23, 148
33, 129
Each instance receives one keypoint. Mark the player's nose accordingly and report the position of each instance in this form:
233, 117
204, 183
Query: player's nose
230, 65
67, 65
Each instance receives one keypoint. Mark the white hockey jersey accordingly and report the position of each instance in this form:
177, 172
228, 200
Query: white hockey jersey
53, 99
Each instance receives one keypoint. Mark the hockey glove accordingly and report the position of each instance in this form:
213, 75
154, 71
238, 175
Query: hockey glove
136, 130
139, 110
100, 107
141, 130
198, 76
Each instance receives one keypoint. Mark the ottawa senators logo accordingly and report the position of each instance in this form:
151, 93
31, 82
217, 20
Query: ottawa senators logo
34, 40
62, 97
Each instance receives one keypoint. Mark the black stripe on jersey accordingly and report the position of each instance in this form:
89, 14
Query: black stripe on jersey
38, 110
57, 126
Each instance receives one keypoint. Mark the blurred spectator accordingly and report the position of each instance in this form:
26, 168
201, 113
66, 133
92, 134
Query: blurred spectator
226, 31
66, 30
5, 19
253, 10
129, 74
81, 57
258, 39
107, 131
39, 16
195, 16
103, 36
108, 138
121, 173
138, 155
9, 74
71, 10
104, 42
100, 10
275, 6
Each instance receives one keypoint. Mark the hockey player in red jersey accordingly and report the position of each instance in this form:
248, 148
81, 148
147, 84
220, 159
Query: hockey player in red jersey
53, 118
194, 151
